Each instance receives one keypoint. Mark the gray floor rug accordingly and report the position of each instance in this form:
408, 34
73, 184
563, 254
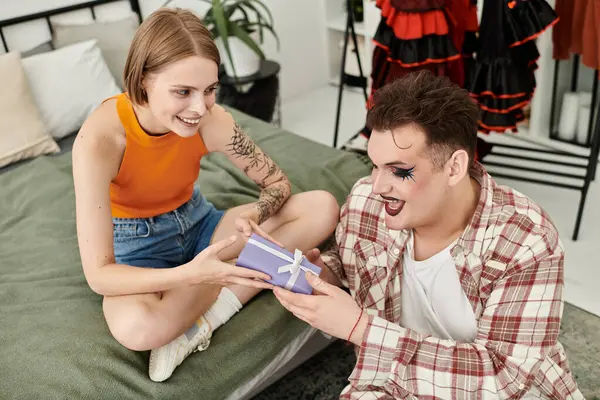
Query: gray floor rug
324, 376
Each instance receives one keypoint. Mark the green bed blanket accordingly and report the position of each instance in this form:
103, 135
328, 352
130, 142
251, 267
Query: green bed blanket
54, 343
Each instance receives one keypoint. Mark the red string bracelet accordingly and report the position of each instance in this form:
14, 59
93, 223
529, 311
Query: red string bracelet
356, 324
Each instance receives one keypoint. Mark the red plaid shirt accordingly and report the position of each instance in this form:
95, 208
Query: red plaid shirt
510, 264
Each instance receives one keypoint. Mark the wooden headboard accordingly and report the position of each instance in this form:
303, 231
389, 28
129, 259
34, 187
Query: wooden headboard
135, 7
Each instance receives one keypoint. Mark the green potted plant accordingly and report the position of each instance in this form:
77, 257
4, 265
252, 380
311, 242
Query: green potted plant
238, 26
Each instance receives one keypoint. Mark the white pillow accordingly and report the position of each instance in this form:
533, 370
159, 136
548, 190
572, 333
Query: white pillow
68, 84
114, 38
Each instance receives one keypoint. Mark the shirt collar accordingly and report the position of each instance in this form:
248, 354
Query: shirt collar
474, 230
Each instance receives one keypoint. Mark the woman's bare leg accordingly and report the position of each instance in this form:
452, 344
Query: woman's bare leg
148, 321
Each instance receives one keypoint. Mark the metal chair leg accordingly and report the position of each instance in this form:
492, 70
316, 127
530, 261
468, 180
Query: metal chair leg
584, 192
589, 176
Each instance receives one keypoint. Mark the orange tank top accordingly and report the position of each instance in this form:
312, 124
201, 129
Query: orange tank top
157, 173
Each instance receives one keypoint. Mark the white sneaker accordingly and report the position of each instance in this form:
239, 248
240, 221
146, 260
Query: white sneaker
165, 359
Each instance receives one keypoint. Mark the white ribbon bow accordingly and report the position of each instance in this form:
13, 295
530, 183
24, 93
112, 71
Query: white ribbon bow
293, 268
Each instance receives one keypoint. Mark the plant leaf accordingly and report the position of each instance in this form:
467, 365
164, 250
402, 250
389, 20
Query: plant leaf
264, 7
262, 22
270, 29
242, 10
229, 10
259, 17
244, 37
221, 25
249, 5
208, 18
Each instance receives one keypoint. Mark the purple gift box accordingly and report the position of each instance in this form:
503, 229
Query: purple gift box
286, 270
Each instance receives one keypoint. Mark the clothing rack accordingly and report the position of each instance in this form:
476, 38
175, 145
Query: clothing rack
586, 163
504, 155
347, 79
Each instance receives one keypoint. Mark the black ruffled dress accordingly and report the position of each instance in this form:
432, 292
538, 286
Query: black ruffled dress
496, 66
502, 79
414, 35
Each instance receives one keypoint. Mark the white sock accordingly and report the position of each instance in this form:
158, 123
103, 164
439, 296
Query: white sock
225, 307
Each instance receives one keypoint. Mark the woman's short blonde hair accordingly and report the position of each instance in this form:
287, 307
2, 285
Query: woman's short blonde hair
166, 36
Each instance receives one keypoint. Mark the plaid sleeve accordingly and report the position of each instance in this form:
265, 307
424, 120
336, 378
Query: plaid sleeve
518, 328
332, 257
333, 261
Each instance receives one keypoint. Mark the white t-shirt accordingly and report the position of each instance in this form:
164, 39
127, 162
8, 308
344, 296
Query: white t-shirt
433, 300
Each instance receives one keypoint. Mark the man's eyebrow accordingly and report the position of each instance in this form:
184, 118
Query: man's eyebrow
396, 163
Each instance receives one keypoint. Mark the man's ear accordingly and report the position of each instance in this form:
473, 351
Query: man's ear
458, 167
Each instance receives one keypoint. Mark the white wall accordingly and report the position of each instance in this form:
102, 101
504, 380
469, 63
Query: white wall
303, 54
299, 25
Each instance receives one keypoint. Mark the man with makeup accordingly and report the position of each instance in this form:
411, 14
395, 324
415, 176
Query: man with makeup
456, 282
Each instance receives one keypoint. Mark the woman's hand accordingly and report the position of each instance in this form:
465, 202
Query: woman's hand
207, 268
247, 223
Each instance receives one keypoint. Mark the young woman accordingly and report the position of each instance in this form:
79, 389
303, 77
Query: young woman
135, 162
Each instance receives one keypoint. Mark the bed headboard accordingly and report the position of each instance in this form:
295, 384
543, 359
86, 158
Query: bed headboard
135, 7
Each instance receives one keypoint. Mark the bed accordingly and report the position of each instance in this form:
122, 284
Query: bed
54, 342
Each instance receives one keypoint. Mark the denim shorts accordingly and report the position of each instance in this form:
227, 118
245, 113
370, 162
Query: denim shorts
167, 240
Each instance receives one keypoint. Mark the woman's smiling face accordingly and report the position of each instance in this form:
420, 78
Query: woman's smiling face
181, 93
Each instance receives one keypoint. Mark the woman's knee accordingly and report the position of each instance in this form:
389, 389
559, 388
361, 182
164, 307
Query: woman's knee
130, 324
324, 208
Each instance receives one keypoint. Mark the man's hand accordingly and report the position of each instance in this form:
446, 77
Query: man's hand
333, 311
314, 256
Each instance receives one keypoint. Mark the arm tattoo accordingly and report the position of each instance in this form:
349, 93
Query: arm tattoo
241, 146
271, 199
274, 185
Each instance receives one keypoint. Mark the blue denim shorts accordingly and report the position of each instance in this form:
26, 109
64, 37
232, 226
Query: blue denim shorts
167, 240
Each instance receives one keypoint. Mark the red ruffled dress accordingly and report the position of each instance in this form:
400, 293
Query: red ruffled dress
423, 34
495, 61
413, 35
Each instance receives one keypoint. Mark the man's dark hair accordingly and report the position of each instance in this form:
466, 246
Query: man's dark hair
443, 110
